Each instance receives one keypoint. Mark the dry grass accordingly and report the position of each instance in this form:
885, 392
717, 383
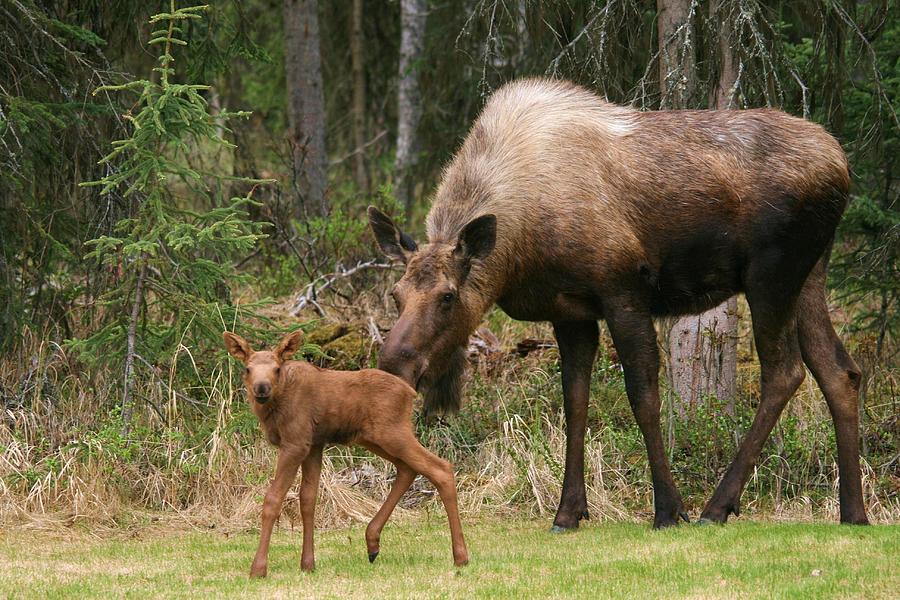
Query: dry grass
195, 456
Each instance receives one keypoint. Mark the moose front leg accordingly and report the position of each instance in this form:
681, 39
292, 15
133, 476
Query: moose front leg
309, 487
285, 472
635, 339
577, 342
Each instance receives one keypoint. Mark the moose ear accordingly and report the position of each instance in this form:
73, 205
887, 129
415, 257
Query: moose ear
288, 345
392, 241
476, 240
236, 346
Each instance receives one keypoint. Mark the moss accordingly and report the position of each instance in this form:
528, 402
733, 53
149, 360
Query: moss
326, 333
349, 351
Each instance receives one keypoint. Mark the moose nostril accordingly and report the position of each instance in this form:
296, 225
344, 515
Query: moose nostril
262, 390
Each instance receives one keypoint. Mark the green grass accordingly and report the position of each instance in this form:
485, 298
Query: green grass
508, 559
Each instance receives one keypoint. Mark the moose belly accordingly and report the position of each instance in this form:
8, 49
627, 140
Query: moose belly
697, 273
567, 298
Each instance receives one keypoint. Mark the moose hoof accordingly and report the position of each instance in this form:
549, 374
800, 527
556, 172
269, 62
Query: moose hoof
669, 519
720, 515
559, 529
373, 556
860, 519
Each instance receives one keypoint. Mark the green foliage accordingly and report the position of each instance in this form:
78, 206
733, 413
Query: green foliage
174, 261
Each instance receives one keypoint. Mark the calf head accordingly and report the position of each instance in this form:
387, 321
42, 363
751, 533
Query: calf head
262, 370
439, 306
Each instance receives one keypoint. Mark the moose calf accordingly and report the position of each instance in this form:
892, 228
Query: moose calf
302, 407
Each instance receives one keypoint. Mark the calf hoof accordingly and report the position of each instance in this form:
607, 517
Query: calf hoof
461, 561
373, 556
257, 572
308, 566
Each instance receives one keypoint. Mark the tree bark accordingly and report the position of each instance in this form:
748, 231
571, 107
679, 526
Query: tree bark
306, 106
409, 101
127, 402
703, 348
722, 96
677, 65
360, 174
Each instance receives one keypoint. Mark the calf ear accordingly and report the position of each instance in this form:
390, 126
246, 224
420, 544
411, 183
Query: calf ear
476, 240
392, 241
236, 346
288, 345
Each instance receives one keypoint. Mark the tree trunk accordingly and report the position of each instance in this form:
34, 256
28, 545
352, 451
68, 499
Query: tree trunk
359, 99
306, 106
677, 66
409, 102
703, 348
722, 95
834, 69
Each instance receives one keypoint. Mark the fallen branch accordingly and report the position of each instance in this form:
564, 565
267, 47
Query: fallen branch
309, 297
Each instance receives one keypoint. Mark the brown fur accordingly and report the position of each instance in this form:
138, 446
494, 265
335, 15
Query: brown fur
302, 407
601, 211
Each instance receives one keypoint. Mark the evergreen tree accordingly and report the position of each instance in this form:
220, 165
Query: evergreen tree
173, 260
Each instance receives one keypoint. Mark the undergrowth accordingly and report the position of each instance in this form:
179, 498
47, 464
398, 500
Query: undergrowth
199, 452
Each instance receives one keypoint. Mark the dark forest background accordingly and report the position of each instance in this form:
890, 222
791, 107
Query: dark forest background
168, 172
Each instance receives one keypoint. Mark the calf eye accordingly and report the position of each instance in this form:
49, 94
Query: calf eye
277, 370
447, 298
247, 370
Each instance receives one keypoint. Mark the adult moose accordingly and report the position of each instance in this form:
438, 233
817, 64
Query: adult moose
562, 207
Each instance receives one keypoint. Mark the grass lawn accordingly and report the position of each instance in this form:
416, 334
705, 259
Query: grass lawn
508, 559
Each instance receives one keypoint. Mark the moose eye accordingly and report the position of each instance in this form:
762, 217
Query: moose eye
277, 370
447, 298
247, 370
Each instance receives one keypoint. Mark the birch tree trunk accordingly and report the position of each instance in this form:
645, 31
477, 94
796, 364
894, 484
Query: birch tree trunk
409, 101
359, 98
306, 106
703, 348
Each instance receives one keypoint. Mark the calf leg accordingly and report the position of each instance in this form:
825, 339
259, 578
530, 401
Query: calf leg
635, 340
838, 378
404, 479
309, 487
782, 372
285, 472
577, 350
439, 472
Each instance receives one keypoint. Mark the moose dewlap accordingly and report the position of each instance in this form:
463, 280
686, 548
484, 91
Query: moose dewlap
302, 407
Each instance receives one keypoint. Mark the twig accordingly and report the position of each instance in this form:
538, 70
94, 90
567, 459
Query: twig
310, 293
359, 149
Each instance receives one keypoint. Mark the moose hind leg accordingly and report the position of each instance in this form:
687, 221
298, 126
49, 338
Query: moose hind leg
440, 473
635, 340
403, 481
577, 348
782, 372
838, 378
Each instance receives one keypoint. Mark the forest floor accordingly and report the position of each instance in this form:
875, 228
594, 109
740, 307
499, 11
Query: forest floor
509, 558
